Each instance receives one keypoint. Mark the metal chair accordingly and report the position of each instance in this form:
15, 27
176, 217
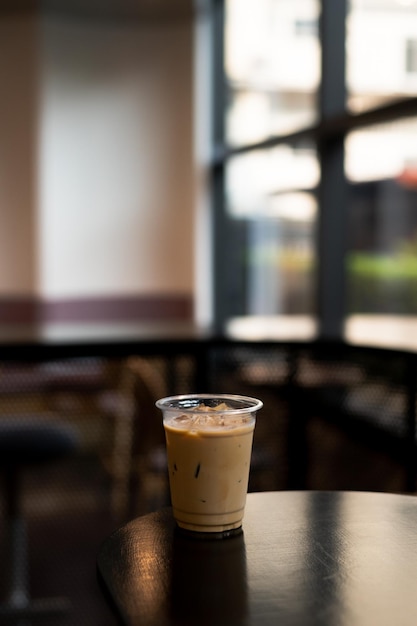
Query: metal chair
139, 440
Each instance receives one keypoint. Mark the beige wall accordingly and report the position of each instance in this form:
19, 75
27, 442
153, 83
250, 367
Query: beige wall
18, 111
100, 150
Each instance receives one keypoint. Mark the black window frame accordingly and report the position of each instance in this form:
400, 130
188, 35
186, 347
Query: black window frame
329, 133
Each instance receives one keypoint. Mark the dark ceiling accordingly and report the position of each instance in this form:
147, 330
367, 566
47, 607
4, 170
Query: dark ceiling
104, 9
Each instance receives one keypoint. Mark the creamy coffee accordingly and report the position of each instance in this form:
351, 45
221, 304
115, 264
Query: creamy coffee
209, 451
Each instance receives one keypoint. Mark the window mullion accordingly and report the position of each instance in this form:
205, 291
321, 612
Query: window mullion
333, 187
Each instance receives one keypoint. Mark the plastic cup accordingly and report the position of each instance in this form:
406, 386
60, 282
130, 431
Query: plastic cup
209, 445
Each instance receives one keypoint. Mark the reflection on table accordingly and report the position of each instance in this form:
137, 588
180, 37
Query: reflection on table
322, 558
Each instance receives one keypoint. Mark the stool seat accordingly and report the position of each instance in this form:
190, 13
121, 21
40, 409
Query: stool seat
27, 440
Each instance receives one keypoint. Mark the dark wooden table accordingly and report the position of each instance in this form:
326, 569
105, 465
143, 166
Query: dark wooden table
303, 558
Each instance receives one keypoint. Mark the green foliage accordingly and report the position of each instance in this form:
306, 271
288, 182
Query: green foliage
383, 267
382, 283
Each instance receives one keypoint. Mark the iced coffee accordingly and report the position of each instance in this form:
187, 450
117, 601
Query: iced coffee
209, 445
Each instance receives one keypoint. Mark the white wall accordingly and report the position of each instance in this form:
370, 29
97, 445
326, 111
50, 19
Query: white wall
96, 158
115, 159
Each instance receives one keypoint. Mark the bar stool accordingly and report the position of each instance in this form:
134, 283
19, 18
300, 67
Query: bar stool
26, 442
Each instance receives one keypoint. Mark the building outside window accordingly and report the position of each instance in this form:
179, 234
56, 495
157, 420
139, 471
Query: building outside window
315, 166
411, 56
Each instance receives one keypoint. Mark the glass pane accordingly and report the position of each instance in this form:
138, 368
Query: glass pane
381, 163
272, 67
381, 52
382, 151
280, 275
269, 191
255, 181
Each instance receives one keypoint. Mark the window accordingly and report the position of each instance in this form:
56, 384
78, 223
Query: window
271, 72
315, 169
378, 33
381, 261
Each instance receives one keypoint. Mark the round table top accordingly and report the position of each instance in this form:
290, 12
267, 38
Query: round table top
304, 557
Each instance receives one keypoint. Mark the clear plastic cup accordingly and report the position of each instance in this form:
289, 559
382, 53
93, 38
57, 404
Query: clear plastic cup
209, 445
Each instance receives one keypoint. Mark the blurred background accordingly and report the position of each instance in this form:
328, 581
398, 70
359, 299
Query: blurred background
207, 193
